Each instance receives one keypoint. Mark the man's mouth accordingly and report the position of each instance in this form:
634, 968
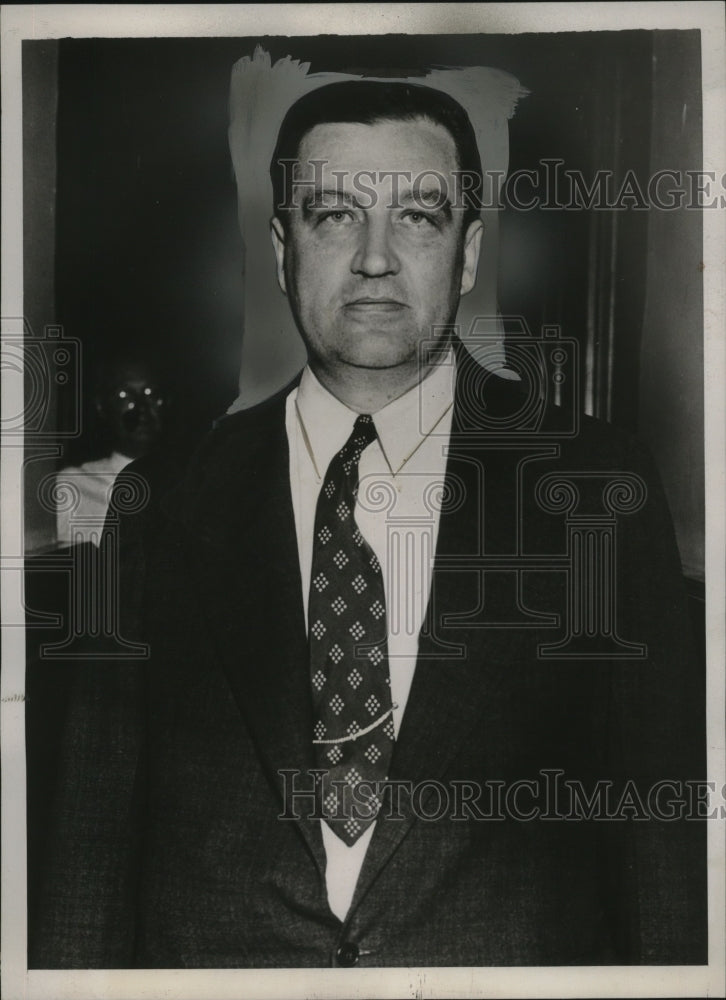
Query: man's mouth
138, 423
370, 304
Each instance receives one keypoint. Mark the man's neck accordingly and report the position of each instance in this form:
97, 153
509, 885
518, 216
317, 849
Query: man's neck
368, 390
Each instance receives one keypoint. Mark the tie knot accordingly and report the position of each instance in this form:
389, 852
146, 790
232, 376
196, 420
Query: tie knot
364, 430
363, 433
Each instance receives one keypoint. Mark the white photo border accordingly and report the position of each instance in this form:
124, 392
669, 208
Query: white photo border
21, 22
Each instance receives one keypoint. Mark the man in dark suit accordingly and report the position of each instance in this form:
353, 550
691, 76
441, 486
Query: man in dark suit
408, 584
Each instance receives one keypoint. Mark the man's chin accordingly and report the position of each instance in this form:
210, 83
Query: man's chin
375, 350
388, 357
378, 361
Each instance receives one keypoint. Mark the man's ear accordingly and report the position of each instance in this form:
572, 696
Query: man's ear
277, 232
472, 246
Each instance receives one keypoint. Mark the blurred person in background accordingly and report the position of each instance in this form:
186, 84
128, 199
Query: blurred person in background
129, 405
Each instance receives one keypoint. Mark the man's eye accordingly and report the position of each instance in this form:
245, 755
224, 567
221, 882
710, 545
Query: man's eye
337, 217
415, 218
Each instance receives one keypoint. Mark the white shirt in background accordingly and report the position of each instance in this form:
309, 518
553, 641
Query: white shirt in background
92, 482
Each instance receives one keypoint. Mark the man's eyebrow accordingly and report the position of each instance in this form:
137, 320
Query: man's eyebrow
321, 197
430, 198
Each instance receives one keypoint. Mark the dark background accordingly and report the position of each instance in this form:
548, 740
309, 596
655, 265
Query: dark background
142, 240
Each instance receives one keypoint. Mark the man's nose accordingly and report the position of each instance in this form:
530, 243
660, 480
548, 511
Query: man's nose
375, 255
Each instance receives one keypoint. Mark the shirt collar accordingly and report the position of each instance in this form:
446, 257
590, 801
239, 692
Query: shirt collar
118, 461
402, 425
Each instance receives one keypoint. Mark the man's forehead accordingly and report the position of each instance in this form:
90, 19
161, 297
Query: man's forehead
132, 372
404, 146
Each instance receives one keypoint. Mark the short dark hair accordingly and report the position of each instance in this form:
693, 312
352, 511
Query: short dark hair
367, 102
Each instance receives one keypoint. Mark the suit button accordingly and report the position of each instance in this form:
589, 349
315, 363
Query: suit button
347, 955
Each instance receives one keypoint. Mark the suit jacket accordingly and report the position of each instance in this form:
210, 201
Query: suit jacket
168, 846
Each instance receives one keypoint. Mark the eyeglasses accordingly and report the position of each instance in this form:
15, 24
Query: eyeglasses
128, 397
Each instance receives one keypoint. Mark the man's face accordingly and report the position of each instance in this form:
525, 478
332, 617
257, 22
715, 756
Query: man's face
133, 407
374, 265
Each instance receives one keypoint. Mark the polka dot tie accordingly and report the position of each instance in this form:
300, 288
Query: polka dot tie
353, 725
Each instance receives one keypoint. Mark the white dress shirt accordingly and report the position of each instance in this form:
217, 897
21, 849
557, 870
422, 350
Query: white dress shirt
93, 482
401, 477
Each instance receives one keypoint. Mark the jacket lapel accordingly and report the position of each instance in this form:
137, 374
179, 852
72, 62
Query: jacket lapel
246, 571
459, 675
